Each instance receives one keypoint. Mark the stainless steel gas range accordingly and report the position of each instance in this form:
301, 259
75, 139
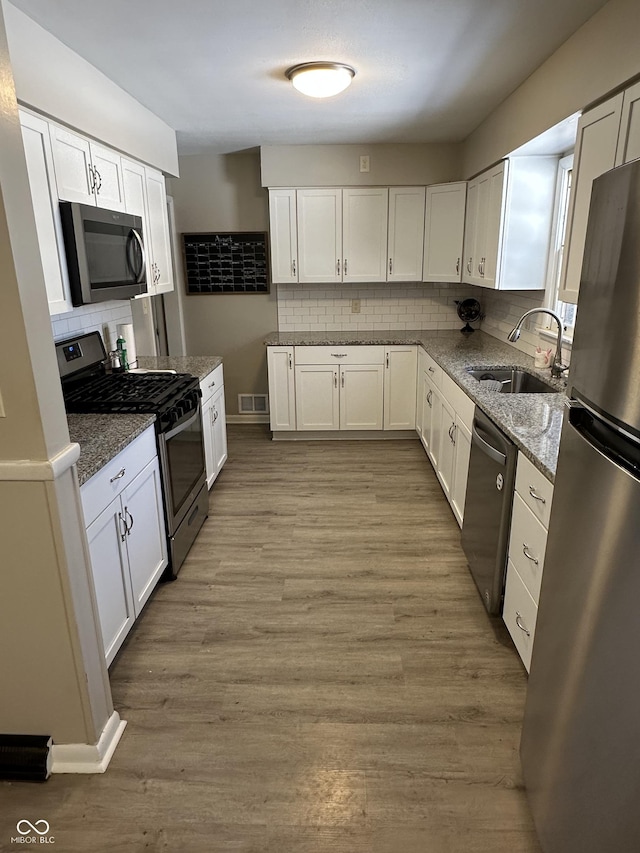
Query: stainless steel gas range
175, 400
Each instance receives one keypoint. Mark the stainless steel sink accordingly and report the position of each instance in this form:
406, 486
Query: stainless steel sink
512, 380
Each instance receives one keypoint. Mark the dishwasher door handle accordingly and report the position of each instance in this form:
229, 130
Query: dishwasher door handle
487, 448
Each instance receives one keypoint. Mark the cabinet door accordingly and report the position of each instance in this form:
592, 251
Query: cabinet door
364, 234
42, 183
72, 158
282, 394
317, 397
109, 565
444, 232
161, 279
447, 448
219, 431
207, 440
470, 226
361, 395
406, 233
107, 170
133, 185
283, 235
426, 405
462, 443
400, 387
490, 209
629, 137
319, 218
595, 154
435, 427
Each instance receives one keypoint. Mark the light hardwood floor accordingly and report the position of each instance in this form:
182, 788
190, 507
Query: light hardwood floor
321, 677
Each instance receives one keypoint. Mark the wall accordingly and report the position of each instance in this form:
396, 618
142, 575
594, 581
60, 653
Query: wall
53, 79
221, 192
339, 165
327, 307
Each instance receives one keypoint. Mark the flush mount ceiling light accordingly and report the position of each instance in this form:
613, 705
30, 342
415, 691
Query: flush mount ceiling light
320, 79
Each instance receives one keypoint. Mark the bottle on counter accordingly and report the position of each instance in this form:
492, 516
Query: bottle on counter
121, 347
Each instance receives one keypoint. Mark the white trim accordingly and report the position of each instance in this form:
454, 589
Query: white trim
249, 418
49, 469
87, 758
551, 334
343, 435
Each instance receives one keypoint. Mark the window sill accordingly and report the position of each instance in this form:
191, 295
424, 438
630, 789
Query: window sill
551, 335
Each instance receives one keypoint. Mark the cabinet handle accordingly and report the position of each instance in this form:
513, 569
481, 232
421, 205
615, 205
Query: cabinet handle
123, 536
339, 354
290, 362
536, 496
293, 266
118, 476
215, 415
429, 397
342, 383
92, 180
335, 379
338, 266
387, 361
431, 369
525, 551
344, 271
454, 427
469, 265
390, 266
129, 526
98, 179
212, 385
458, 265
520, 624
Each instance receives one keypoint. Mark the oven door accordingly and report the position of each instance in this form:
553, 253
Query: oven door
183, 469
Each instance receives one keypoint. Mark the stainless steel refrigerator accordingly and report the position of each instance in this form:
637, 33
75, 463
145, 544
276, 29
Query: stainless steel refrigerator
580, 745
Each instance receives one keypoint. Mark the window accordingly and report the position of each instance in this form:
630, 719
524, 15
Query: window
566, 310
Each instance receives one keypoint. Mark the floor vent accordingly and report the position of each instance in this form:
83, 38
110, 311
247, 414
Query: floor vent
25, 757
251, 404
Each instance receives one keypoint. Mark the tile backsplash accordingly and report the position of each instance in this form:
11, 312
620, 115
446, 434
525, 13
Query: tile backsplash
102, 317
329, 307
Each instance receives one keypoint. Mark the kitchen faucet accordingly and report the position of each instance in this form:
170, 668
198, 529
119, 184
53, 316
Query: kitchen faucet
557, 368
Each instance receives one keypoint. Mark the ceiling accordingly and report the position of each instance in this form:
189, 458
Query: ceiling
427, 70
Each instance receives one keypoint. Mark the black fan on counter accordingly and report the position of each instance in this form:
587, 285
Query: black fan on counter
468, 310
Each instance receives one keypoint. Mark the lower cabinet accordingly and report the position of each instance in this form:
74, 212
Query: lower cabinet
122, 504
282, 390
527, 545
214, 427
444, 419
339, 396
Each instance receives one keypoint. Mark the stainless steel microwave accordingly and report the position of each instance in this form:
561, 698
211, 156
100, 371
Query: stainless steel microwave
105, 253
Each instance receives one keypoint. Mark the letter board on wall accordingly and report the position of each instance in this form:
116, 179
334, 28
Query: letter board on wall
226, 262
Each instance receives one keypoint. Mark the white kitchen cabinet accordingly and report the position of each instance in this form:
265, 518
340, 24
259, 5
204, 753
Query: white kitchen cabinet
400, 387
282, 393
123, 511
361, 396
214, 427
595, 154
405, 233
319, 220
134, 188
629, 137
527, 544
159, 247
444, 232
462, 442
508, 224
317, 396
364, 234
283, 231
44, 197
86, 172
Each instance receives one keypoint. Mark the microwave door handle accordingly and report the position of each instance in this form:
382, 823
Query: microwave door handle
140, 275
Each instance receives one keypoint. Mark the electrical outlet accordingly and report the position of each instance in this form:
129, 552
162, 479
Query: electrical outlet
364, 162
355, 306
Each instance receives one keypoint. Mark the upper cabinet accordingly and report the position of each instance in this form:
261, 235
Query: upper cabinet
63, 165
85, 171
444, 232
508, 224
353, 235
608, 136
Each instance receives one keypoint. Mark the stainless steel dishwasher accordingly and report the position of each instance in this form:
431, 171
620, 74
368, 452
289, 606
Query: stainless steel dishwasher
487, 511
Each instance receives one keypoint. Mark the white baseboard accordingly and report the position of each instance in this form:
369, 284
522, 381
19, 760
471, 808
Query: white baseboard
343, 435
251, 418
87, 758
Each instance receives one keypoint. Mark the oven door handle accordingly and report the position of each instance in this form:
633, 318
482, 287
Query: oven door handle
181, 425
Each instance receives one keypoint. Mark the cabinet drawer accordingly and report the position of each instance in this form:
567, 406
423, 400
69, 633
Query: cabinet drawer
339, 355
212, 383
102, 488
432, 369
519, 614
534, 489
463, 406
528, 536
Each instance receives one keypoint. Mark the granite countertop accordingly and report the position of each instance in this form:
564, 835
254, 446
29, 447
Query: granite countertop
196, 365
101, 437
532, 421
